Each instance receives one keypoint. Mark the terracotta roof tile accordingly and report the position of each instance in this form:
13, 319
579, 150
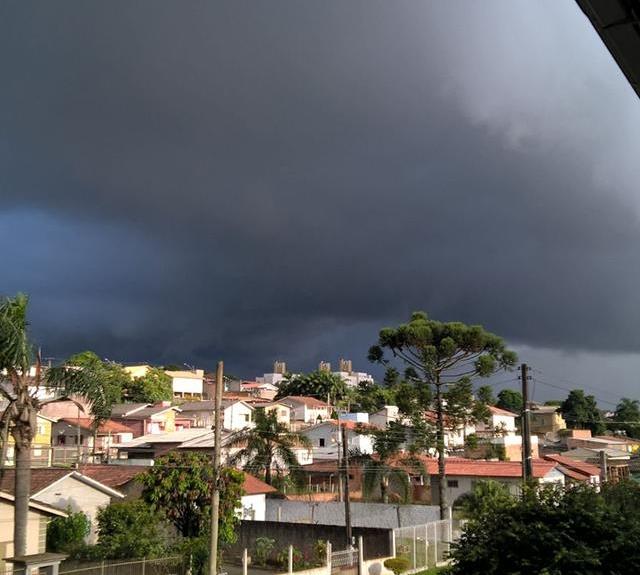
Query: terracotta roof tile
108, 426
113, 476
455, 466
308, 401
254, 486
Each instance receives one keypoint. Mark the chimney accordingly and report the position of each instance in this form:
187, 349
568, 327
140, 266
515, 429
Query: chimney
279, 367
345, 365
324, 366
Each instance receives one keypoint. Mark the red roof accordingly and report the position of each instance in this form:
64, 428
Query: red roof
113, 476
107, 427
499, 411
584, 469
480, 468
254, 486
40, 478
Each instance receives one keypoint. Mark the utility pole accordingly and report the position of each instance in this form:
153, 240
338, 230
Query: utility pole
347, 503
215, 494
527, 470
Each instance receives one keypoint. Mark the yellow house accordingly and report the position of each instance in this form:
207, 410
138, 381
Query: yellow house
41, 446
38, 518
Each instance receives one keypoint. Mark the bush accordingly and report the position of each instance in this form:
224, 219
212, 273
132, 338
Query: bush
67, 534
282, 559
264, 547
397, 564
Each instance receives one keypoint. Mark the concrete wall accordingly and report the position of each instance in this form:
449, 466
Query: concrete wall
253, 507
377, 542
379, 515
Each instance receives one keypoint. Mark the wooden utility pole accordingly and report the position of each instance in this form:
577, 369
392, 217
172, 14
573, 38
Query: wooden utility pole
215, 494
347, 503
527, 469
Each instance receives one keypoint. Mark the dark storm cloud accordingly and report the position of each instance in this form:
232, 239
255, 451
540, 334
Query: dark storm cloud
253, 180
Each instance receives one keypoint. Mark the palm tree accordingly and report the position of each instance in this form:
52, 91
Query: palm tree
19, 417
268, 447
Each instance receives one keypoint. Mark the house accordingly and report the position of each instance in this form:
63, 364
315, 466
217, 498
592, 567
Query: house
37, 519
455, 434
67, 488
145, 418
205, 443
323, 477
623, 442
499, 424
545, 420
382, 418
274, 378
146, 449
463, 474
616, 461
253, 504
575, 471
282, 411
72, 436
326, 439
307, 409
262, 390
122, 478
237, 414
185, 384
511, 446
41, 453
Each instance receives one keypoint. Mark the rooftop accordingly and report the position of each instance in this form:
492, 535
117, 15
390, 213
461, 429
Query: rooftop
456, 466
86, 423
499, 411
304, 400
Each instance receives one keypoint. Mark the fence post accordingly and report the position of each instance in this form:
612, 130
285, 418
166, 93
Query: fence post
329, 555
450, 518
245, 561
290, 570
144, 565
415, 544
392, 537
435, 544
102, 567
360, 555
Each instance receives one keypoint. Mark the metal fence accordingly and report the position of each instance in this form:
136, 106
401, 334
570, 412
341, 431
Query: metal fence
428, 545
161, 566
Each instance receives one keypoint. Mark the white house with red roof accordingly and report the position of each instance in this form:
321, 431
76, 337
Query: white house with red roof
307, 409
254, 501
500, 423
463, 474
575, 471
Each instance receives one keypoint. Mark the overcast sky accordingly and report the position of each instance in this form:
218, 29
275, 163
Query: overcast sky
190, 181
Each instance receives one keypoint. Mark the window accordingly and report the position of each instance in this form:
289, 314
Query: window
452, 483
321, 442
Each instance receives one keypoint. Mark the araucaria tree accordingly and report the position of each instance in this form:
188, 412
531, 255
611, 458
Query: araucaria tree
19, 390
442, 354
268, 447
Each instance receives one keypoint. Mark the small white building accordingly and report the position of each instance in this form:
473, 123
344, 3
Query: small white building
237, 414
187, 384
382, 418
307, 409
500, 423
253, 504
326, 439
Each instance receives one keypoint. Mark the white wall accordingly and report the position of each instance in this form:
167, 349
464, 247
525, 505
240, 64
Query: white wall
253, 507
190, 385
71, 492
329, 435
238, 416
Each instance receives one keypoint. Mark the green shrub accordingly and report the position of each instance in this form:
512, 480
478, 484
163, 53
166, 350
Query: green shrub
67, 534
397, 564
264, 547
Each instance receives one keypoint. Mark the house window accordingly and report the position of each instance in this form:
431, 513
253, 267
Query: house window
452, 483
321, 442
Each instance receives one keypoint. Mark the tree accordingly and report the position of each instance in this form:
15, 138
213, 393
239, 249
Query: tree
319, 384
179, 485
510, 400
19, 418
441, 354
485, 497
462, 408
552, 531
485, 395
129, 530
370, 397
580, 411
628, 414
66, 534
268, 447
155, 385
385, 470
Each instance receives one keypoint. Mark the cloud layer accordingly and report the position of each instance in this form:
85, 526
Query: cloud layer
253, 180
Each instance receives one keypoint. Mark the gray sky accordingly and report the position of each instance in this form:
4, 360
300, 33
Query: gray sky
188, 181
